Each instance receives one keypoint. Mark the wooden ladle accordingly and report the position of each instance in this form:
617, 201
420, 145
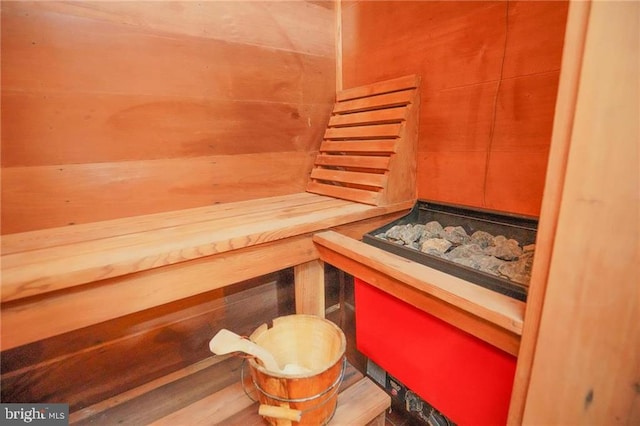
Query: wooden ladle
226, 341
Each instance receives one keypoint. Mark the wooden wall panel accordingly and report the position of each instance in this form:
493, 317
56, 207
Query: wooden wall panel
50, 196
489, 72
257, 23
105, 87
75, 128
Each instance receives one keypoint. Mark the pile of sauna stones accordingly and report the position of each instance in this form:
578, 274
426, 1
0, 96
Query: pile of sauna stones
495, 255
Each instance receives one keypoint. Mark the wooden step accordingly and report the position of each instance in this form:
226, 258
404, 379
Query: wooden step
200, 395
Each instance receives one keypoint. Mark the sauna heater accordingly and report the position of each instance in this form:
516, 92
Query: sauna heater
465, 380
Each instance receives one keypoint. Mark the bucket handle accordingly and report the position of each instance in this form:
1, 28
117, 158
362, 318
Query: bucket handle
277, 412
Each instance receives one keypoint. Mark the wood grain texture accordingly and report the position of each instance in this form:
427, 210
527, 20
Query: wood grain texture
182, 66
90, 365
371, 120
75, 128
535, 39
454, 177
49, 269
457, 119
493, 318
206, 399
577, 23
103, 88
66, 235
53, 196
499, 309
470, 56
379, 88
264, 24
309, 288
271, 235
104, 300
525, 172
599, 297
523, 123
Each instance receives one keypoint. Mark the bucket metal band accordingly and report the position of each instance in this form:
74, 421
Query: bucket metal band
334, 386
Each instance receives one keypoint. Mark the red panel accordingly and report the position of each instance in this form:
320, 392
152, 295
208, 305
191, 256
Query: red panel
465, 378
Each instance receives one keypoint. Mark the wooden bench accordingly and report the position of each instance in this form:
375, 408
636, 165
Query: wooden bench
59, 280
108, 269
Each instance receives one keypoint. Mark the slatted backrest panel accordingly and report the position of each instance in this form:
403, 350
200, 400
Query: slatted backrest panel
371, 137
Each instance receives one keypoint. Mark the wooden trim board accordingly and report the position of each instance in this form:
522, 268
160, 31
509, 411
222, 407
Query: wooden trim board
492, 317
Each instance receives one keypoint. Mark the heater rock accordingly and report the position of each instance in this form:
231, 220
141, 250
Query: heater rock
467, 250
482, 238
455, 234
520, 270
405, 234
504, 249
432, 229
488, 264
435, 246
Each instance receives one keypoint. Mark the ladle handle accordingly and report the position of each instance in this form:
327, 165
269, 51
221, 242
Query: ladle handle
277, 412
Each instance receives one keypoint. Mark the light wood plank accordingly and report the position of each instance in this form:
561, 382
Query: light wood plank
598, 296
61, 123
309, 288
380, 87
496, 308
32, 273
389, 115
360, 401
44, 238
374, 102
351, 161
361, 404
458, 317
560, 148
116, 297
401, 184
41, 271
36, 272
367, 179
354, 194
379, 131
85, 413
215, 408
360, 146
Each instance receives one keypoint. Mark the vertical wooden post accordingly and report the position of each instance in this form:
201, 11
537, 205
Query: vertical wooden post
584, 364
576, 30
309, 282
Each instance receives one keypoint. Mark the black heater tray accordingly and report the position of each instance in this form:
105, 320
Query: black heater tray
521, 228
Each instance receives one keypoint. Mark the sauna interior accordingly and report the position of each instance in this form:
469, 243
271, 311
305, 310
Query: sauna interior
160, 169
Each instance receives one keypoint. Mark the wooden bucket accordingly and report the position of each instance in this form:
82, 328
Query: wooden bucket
309, 398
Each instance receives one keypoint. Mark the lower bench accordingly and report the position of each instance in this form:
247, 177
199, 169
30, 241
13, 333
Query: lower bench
197, 395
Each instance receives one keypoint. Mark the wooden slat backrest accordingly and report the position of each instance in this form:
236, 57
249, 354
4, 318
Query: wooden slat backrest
368, 153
